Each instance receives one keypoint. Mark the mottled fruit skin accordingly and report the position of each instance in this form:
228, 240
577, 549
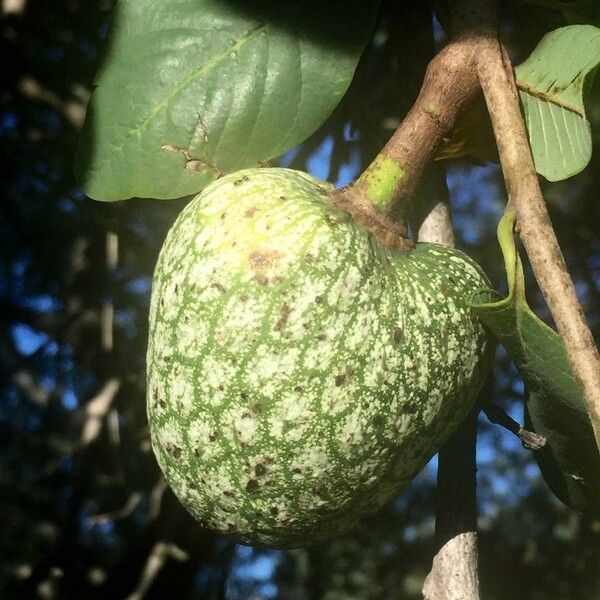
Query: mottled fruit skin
299, 374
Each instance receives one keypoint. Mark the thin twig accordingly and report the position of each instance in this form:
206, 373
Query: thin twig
97, 409
529, 439
155, 562
121, 513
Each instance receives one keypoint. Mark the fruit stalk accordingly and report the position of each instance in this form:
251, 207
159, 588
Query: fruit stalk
380, 198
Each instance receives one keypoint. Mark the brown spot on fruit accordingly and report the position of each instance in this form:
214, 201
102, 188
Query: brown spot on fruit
262, 280
257, 408
410, 408
340, 379
283, 316
263, 259
398, 335
174, 451
252, 485
297, 470
250, 212
274, 510
260, 469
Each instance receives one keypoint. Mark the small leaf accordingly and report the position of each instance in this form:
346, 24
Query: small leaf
570, 462
551, 86
191, 89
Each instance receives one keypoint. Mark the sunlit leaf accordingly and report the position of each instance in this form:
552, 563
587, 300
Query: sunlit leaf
570, 462
551, 85
191, 89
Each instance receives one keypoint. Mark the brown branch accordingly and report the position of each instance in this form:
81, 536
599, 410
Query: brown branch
533, 222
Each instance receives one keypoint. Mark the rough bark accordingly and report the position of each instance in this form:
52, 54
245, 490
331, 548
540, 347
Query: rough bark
452, 576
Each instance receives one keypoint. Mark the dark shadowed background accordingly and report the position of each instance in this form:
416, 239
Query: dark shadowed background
84, 512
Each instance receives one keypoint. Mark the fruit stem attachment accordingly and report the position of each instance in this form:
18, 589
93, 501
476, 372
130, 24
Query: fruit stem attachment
381, 195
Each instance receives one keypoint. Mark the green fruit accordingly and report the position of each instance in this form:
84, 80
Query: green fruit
299, 373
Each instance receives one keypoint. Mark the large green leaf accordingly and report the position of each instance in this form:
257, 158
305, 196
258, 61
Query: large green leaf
191, 89
570, 462
551, 84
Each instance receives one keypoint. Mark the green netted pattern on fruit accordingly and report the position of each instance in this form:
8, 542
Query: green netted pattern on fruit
299, 374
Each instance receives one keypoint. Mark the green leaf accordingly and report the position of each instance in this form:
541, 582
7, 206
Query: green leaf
192, 89
570, 462
551, 85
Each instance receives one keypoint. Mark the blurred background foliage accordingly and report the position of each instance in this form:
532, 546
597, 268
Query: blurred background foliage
83, 509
